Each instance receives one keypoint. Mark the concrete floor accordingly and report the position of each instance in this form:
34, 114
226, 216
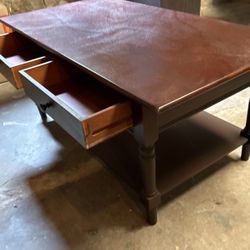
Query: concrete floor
54, 195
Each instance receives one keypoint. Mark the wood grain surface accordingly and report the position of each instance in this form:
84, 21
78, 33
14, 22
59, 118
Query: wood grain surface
158, 57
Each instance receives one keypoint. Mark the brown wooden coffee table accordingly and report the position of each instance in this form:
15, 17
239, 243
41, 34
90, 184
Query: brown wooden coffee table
139, 75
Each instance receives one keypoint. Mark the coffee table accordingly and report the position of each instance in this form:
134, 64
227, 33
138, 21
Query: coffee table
129, 82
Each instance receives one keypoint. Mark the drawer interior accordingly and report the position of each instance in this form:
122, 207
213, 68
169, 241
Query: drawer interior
16, 49
18, 52
100, 111
77, 90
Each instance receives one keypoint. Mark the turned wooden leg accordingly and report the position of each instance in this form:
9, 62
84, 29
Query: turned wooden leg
245, 152
146, 134
148, 170
152, 216
246, 133
42, 113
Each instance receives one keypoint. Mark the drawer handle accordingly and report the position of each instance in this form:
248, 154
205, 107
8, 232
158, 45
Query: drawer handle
45, 106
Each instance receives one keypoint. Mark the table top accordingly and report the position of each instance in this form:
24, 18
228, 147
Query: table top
158, 57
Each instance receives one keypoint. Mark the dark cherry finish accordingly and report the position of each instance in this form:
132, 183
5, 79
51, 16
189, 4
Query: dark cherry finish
131, 47
16, 53
168, 65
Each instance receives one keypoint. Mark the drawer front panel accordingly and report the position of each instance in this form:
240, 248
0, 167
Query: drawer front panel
108, 123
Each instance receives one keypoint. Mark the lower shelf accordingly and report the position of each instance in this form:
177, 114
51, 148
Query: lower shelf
182, 151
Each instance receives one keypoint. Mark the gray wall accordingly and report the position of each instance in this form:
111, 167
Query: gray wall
149, 2
16, 6
191, 6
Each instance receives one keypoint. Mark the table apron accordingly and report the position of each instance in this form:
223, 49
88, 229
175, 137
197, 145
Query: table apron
202, 101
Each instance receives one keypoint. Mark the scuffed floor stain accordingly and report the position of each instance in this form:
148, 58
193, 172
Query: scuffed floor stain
222, 219
13, 123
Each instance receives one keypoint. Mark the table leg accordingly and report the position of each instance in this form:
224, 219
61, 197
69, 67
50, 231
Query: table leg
42, 113
148, 170
246, 133
146, 135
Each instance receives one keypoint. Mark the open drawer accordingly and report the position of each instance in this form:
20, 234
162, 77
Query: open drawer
16, 53
88, 110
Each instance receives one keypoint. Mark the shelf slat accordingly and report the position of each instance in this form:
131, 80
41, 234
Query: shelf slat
182, 151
